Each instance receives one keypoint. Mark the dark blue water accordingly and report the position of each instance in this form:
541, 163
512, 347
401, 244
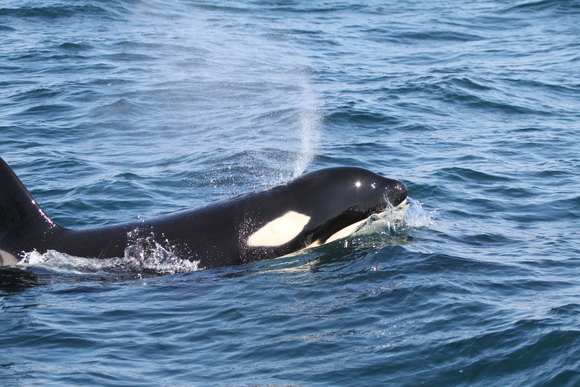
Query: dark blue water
115, 110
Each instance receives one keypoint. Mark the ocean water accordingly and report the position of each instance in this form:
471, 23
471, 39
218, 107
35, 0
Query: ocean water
115, 110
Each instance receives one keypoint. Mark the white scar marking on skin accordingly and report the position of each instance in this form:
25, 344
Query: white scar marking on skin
280, 230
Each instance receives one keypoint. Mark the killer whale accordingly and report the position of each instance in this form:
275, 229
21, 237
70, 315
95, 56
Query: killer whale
308, 211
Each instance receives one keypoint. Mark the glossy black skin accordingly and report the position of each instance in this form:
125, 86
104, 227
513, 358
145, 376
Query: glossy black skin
214, 235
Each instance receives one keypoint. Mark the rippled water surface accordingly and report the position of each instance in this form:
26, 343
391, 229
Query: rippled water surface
117, 110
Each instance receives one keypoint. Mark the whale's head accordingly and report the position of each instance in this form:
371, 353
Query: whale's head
314, 208
341, 197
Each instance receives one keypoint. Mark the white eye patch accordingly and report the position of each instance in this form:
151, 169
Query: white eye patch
280, 230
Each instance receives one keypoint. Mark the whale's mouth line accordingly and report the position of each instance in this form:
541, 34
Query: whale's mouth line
353, 228
392, 196
401, 206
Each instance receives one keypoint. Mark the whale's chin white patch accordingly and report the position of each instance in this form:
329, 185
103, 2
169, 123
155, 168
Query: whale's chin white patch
279, 231
351, 229
342, 233
7, 259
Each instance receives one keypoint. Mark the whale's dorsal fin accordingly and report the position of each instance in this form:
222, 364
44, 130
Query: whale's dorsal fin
18, 209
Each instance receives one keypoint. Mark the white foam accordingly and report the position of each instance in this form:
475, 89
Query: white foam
157, 260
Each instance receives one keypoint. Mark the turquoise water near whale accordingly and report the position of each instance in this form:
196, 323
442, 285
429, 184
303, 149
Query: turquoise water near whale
116, 110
